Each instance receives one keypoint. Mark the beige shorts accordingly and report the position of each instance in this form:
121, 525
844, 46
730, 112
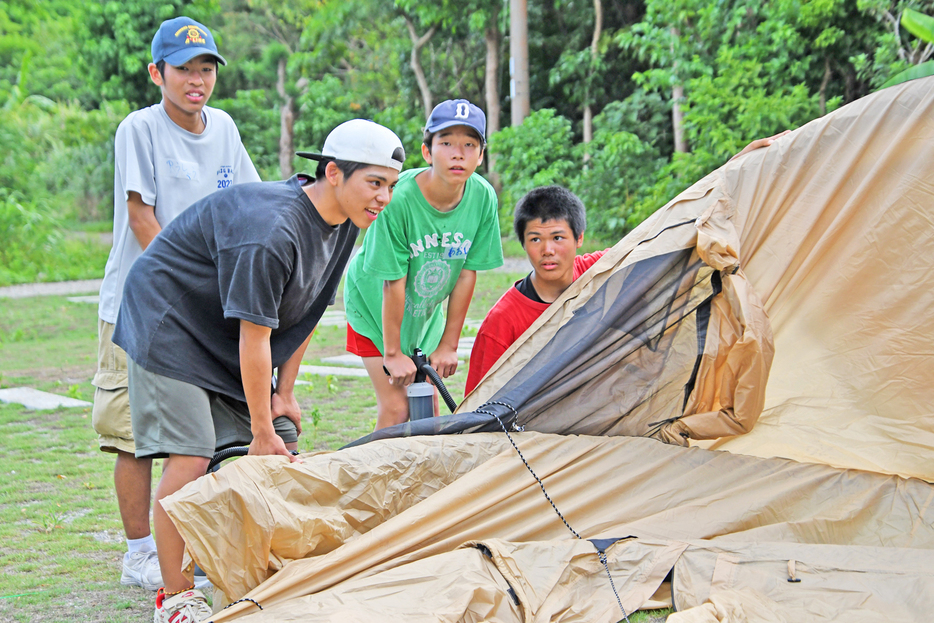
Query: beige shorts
110, 415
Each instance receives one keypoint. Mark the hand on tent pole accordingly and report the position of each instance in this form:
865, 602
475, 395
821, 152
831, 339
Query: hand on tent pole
759, 143
270, 444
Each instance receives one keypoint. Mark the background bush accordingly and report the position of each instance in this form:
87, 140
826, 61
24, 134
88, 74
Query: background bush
70, 71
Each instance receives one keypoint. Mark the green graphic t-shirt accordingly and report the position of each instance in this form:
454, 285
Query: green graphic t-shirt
429, 248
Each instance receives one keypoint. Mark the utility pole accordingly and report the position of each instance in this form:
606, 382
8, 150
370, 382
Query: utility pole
518, 61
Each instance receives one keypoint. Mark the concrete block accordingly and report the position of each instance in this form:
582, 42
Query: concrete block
35, 399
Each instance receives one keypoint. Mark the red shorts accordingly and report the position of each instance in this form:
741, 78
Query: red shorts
360, 345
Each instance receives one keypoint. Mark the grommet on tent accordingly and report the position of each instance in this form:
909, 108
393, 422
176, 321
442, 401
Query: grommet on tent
792, 576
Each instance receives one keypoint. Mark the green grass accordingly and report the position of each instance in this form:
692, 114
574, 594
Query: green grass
648, 616
59, 528
61, 541
60, 537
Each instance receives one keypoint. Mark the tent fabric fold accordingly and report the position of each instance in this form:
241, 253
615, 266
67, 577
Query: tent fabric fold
738, 392
663, 337
831, 229
336, 495
723, 583
495, 581
605, 487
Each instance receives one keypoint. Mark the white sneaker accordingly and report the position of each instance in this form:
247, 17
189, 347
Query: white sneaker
187, 607
141, 569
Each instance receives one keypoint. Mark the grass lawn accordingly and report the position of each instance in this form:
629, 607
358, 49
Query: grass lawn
61, 541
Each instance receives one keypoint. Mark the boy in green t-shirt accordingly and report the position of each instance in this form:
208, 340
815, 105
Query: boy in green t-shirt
442, 228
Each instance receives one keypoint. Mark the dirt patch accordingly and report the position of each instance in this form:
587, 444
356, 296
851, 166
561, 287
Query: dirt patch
105, 600
89, 286
71, 375
118, 604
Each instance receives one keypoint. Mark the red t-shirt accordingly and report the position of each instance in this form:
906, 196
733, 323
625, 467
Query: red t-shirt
510, 317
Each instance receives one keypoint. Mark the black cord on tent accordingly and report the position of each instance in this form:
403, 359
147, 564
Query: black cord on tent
253, 601
600, 553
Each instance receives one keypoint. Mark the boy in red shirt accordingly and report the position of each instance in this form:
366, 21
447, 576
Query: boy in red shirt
550, 223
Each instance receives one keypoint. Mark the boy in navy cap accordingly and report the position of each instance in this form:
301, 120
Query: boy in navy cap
442, 227
167, 156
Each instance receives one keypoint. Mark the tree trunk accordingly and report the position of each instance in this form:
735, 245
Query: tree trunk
677, 117
415, 61
286, 124
594, 51
491, 84
519, 97
823, 86
588, 132
849, 88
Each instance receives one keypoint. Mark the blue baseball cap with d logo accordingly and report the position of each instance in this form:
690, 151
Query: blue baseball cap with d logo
456, 112
181, 39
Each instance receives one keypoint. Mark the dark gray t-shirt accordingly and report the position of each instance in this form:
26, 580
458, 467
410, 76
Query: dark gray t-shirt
258, 252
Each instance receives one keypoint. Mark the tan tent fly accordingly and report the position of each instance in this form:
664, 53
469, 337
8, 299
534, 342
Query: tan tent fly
736, 398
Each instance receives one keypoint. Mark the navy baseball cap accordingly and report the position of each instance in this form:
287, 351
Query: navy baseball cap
181, 39
456, 112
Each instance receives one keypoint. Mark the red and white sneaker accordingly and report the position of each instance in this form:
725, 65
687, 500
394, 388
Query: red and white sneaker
187, 607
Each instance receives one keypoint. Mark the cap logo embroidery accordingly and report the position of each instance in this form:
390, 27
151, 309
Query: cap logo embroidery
194, 34
462, 111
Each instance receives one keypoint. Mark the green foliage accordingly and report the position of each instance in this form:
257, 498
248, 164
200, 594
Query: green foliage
258, 122
26, 235
43, 36
33, 246
890, 49
60, 155
354, 59
619, 173
78, 171
912, 73
56, 163
74, 391
71, 71
921, 26
536, 153
738, 104
315, 422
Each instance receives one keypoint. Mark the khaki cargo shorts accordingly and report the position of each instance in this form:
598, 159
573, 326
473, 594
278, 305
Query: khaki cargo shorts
110, 415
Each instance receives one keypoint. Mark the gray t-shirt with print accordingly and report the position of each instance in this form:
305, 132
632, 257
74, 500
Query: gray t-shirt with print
257, 252
170, 168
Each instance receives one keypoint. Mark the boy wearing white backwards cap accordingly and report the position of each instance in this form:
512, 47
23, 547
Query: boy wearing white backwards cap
231, 289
